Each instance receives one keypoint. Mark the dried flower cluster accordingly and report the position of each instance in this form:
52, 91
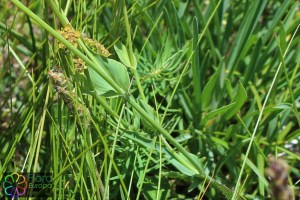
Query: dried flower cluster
67, 93
72, 36
69, 34
58, 77
79, 65
278, 174
96, 47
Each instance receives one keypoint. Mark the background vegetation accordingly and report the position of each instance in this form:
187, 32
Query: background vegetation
152, 99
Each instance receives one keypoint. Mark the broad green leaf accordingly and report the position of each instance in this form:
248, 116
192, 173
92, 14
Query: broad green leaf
115, 70
239, 99
118, 73
100, 85
124, 56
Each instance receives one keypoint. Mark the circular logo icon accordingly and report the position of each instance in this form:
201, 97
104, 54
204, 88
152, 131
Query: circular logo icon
15, 185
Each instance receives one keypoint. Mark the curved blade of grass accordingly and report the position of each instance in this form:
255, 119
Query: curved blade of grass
219, 111
212, 84
277, 17
196, 70
247, 27
239, 99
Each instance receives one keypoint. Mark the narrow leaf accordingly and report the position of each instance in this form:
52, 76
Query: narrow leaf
216, 112
150, 111
240, 98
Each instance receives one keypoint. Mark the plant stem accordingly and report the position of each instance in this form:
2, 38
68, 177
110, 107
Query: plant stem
131, 56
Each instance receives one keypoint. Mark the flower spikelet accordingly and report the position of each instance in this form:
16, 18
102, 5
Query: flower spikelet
79, 65
96, 47
69, 34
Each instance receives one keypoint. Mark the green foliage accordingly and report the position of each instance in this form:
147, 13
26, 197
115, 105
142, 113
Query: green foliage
115, 70
124, 55
151, 99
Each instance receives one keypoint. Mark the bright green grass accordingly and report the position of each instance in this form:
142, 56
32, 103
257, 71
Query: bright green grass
194, 98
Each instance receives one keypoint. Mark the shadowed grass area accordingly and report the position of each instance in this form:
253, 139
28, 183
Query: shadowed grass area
152, 99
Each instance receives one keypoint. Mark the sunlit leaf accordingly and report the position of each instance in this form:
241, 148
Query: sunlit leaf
115, 70
124, 56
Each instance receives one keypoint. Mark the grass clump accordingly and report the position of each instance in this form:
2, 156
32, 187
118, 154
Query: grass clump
152, 100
